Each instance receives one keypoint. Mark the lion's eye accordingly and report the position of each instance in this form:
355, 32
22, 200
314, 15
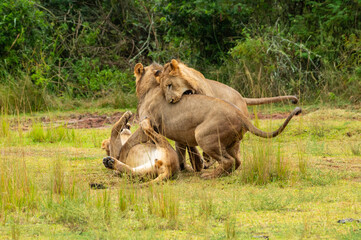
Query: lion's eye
169, 86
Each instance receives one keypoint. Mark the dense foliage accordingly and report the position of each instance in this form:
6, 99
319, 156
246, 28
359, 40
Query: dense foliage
66, 49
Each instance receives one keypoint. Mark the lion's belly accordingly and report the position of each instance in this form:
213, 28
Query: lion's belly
182, 136
143, 154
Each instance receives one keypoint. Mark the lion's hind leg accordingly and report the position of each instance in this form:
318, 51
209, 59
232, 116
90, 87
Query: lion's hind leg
219, 153
234, 152
208, 161
164, 173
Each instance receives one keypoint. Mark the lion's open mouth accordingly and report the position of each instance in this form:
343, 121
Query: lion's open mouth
188, 92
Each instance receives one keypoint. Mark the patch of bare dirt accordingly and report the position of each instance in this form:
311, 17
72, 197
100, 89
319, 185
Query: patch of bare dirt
271, 116
333, 163
95, 120
78, 121
89, 120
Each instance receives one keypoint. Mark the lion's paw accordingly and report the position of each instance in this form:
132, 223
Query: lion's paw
108, 162
127, 115
145, 125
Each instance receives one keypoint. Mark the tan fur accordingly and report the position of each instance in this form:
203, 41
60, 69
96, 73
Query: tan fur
213, 124
184, 78
145, 80
156, 159
105, 146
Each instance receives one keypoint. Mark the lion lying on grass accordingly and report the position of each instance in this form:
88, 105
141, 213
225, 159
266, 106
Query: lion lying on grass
215, 125
156, 160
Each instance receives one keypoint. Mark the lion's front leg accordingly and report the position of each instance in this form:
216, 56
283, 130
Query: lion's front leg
195, 158
114, 164
181, 152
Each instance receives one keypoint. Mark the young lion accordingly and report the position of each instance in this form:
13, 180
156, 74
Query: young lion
186, 80
157, 160
211, 123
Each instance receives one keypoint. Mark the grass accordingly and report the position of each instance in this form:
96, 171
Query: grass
356, 149
295, 186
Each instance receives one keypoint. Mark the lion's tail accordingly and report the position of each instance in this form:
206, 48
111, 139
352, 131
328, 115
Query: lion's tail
263, 134
259, 101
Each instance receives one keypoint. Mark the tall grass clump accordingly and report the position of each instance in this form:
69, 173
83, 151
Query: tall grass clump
58, 177
103, 205
37, 133
69, 201
163, 204
206, 208
4, 127
265, 164
17, 190
71, 212
302, 161
60, 133
52, 134
21, 94
230, 228
356, 149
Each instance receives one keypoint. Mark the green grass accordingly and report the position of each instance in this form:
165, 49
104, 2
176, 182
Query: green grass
295, 186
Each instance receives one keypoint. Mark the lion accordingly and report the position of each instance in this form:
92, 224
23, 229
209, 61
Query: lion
186, 80
146, 80
213, 124
156, 159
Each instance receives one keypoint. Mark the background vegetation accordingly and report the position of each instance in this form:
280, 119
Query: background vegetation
54, 53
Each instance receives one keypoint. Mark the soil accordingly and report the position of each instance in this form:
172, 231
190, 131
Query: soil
271, 116
94, 120
78, 121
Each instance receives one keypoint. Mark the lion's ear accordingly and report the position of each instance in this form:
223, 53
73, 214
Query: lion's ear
157, 75
138, 69
105, 144
174, 65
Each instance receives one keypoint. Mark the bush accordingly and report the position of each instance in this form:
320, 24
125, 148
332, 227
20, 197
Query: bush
20, 94
86, 50
23, 34
269, 65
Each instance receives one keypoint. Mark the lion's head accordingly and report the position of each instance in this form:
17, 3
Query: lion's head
177, 80
105, 146
145, 77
